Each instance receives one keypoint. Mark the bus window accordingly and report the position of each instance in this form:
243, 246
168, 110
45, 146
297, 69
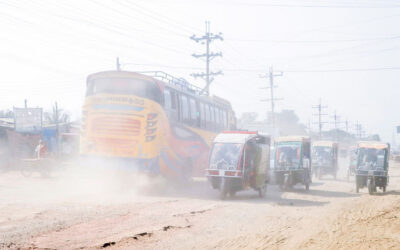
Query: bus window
173, 99
225, 121
184, 109
218, 118
207, 108
125, 86
167, 99
170, 104
202, 116
212, 113
193, 111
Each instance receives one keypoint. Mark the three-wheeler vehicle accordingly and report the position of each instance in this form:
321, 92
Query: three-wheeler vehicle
292, 161
239, 160
351, 168
324, 158
372, 166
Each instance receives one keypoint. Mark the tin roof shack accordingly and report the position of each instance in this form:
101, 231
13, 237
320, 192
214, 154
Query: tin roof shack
6, 124
18, 144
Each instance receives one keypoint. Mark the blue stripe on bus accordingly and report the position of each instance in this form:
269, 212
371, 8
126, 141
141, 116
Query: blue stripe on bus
168, 163
117, 107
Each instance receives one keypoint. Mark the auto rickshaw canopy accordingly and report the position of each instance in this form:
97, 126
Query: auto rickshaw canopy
330, 144
293, 139
373, 144
237, 136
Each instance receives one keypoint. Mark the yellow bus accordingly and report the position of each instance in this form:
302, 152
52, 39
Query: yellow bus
151, 121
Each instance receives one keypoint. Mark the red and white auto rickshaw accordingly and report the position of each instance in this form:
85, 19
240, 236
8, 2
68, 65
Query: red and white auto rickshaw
239, 160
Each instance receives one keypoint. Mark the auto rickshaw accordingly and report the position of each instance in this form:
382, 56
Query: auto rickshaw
239, 160
325, 158
292, 161
351, 169
372, 166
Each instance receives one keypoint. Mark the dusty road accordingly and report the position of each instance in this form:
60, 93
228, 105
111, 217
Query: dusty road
69, 211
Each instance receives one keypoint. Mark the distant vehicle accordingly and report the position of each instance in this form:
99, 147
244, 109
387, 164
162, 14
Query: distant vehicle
372, 166
351, 169
239, 160
292, 161
324, 158
343, 152
151, 122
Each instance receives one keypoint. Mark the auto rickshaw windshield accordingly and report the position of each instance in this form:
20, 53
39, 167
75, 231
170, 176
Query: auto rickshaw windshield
371, 158
288, 155
322, 153
225, 155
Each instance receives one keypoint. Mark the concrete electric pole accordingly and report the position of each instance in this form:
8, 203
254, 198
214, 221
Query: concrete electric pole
272, 98
206, 39
319, 108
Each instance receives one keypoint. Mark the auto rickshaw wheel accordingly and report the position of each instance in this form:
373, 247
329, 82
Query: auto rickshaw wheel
371, 187
262, 191
223, 188
26, 170
319, 174
288, 182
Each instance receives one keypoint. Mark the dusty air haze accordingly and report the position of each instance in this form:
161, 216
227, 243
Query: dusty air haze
121, 175
345, 53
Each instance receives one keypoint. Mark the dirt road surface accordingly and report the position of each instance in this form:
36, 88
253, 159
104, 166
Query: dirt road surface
72, 210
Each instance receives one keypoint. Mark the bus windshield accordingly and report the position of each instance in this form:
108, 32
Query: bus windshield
125, 86
225, 155
371, 158
288, 155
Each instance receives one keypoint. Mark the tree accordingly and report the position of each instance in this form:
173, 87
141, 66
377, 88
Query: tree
247, 118
51, 116
6, 113
288, 123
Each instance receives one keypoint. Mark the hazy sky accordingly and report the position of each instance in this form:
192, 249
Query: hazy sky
345, 52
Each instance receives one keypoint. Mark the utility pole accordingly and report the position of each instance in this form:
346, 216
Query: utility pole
358, 130
57, 129
272, 98
26, 103
206, 39
336, 122
118, 64
320, 108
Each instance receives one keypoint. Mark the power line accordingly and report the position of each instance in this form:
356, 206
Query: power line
314, 41
343, 5
208, 76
